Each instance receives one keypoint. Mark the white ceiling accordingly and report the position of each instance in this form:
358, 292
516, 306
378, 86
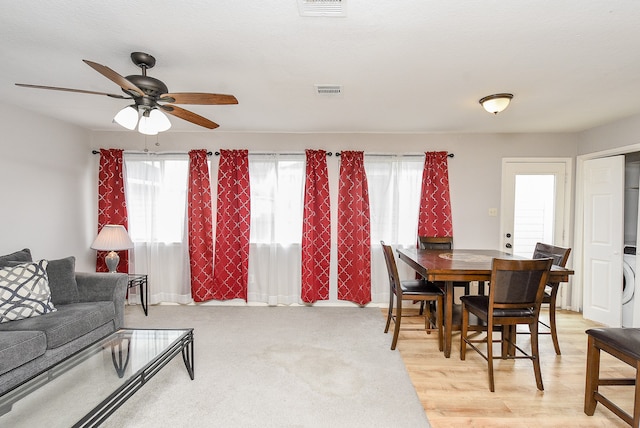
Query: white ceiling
405, 65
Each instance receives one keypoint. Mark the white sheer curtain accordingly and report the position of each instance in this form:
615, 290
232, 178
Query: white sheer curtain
156, 188
277, 185
394, 198
156, 192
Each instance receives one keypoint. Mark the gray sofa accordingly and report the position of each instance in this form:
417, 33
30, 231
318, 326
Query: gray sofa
88, 307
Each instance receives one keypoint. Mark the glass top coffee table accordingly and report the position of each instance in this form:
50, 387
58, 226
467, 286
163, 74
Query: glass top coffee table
87, 387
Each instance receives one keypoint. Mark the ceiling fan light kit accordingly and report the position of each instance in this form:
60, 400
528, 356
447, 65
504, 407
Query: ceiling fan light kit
127, 117
147, 94
151, 121
496, 103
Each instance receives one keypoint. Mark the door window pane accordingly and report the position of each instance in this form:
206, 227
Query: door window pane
533, 212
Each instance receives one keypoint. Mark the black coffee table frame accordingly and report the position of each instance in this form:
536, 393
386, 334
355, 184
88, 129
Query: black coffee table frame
119, 346
110, 404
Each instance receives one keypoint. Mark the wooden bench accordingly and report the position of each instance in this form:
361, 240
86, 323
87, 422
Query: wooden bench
623, 344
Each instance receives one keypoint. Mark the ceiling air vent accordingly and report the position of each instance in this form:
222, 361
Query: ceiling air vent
328, 89
322, 7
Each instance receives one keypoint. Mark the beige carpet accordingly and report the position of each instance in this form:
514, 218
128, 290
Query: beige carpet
275, 367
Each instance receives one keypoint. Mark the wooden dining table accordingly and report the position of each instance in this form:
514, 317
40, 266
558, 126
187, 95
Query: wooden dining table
449, 266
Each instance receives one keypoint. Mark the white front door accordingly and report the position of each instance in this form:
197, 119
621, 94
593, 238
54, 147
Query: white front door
534, 197
603, 239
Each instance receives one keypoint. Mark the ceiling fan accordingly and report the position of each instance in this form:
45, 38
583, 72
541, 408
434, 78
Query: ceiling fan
150, 96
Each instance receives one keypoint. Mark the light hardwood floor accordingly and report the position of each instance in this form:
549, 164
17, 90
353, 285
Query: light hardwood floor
455, 393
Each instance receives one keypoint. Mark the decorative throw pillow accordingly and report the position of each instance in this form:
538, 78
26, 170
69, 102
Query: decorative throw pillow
24, 291
62, 281
23, 255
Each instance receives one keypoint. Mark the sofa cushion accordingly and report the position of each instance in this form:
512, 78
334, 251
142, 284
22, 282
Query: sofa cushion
68, 323
23, 255
20, 347
24, 291
62, 281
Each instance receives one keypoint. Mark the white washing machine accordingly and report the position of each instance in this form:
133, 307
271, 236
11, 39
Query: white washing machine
628, 284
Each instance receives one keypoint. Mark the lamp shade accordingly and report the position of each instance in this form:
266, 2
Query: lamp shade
127, 117
112, 237
159, 120
146, 126
496, 103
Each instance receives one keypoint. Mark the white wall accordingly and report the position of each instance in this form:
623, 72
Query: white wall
49, 174
47, 199
622, 133
475, 171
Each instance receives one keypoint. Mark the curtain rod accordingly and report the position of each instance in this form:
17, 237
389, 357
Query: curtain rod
451, 155
273, 153
391, 154
96, 152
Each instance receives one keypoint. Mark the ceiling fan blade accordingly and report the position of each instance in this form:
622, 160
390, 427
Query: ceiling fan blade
189, 116
198, 98
82, 91
115, 77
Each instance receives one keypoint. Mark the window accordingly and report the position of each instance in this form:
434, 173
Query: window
277, 185
394, 198
395, 183
156, 188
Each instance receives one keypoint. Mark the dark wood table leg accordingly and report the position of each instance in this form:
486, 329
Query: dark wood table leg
448, 317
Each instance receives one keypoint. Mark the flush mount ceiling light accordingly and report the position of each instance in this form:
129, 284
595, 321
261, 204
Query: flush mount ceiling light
496, 103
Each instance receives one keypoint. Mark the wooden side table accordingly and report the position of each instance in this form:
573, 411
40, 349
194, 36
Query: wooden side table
140, 280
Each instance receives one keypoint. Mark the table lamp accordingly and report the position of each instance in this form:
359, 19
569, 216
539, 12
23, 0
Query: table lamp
112, 238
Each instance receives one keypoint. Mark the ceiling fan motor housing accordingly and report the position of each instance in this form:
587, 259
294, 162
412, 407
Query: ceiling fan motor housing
152, 87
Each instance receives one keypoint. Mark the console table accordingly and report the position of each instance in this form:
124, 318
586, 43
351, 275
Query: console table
140, 280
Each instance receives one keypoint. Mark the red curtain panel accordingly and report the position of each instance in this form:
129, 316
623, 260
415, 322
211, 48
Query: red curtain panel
435, 206
354, 231
112, 206
231, 267
316, 229
200, 227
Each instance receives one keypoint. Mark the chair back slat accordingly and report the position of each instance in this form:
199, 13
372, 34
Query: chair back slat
558, 254
517, 287
435, 242
518, 283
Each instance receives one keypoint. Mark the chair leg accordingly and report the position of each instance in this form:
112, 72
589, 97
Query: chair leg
439, 303
593, 373
536, 355
481, 288
463, 331
389, 313
504, 342
492, 387
398, 320
552, 318
636, 399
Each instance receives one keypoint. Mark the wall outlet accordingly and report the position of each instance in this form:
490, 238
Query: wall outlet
493, 212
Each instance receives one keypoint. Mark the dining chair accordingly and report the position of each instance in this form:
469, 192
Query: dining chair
560, 256
415, 290
441, 243
515, 296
